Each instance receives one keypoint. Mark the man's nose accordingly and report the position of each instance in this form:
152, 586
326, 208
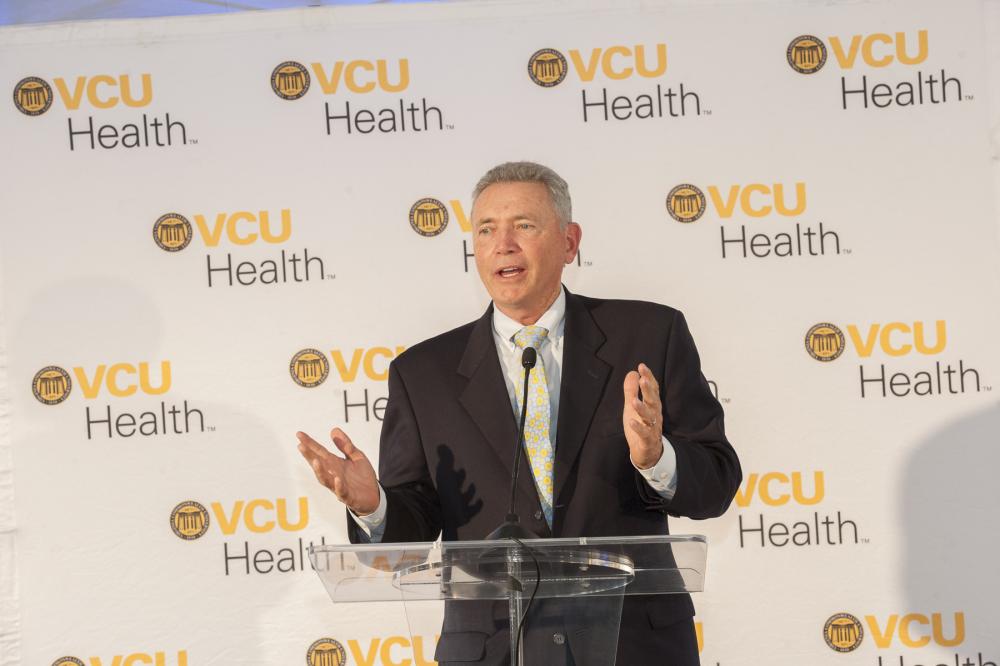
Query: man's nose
506, 242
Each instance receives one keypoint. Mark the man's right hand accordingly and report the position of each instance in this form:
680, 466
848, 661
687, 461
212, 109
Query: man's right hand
352, 478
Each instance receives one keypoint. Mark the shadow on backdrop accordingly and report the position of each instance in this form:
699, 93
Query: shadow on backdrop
950, 505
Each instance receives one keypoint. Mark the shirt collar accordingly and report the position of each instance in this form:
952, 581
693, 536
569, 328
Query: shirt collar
552, 319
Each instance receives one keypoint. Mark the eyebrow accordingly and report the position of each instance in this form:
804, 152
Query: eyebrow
517, 218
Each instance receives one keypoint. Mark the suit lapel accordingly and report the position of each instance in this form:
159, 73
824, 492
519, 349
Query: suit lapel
584, 377
487, 402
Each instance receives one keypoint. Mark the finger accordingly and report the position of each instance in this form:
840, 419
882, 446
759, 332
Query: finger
644, 430
634, 405
322, 462
319, 457
631, 386
344, 443
309, 454
645, 412
307, 443
320, 472
331, 479
647, 432
310, 458
649, 411
647, 382
650, 393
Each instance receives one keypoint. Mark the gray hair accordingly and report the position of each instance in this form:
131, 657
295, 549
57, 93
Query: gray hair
530, 172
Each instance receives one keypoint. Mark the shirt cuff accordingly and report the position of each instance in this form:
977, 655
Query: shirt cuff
662, 477
374, 523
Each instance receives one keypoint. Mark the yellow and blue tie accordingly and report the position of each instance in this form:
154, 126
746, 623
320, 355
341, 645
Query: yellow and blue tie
541, 454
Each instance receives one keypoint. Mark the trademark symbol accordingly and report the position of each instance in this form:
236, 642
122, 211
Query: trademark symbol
210, 428
846, 250
706, 112
449, 126
588, 263
331, 276
969, 98
192, 142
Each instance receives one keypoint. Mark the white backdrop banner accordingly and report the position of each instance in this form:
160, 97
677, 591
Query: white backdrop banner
217, 231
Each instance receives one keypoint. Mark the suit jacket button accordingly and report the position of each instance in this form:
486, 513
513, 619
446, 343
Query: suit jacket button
558, 639
538, 515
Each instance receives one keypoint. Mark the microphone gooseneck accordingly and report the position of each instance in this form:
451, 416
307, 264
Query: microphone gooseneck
511, 526
510, 567
528, 359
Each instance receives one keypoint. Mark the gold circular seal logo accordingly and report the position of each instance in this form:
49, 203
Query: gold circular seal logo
309, 368
428, 217
843, 632
547, 67
825, 342
172, 232
67, 661
806, 54
32, 96
326, 652
189, 520
686, 203
290, 80
51, 385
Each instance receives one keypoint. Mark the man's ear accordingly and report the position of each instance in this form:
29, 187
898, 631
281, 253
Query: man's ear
573, 235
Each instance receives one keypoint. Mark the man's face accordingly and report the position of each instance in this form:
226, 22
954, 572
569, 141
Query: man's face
520, 248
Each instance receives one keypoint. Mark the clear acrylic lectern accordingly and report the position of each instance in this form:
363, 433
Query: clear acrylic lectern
567, 593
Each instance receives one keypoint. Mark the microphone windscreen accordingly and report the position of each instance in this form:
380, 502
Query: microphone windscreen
528, 357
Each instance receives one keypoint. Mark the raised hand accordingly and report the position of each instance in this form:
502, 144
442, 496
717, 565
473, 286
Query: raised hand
643, 417
351, 478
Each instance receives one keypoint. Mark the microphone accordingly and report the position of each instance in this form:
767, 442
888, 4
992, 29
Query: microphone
511, 527
500, 564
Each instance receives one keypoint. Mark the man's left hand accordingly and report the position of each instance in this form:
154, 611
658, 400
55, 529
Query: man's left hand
643, 417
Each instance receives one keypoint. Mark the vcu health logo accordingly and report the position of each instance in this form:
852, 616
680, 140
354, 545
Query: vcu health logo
51, 385
309, 368
326, 652
172, 232
290, 80
685, 203
843, 632
32, 96
806, 54
67, 661
428, 217
346, 78
189, 520
547, 67
825, 342
86, 99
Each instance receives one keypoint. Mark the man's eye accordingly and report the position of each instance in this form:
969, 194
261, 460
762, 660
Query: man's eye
483, 231
524, 225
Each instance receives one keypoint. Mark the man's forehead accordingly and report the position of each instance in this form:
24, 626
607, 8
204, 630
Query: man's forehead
515, 201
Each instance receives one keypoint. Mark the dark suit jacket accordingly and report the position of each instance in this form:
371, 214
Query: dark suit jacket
448, 437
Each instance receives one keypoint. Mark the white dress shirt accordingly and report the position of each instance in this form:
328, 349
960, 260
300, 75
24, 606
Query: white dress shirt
661, 477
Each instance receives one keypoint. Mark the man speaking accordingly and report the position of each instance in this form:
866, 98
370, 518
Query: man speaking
622, 428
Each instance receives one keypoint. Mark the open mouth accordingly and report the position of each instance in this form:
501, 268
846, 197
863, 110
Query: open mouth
510, 271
